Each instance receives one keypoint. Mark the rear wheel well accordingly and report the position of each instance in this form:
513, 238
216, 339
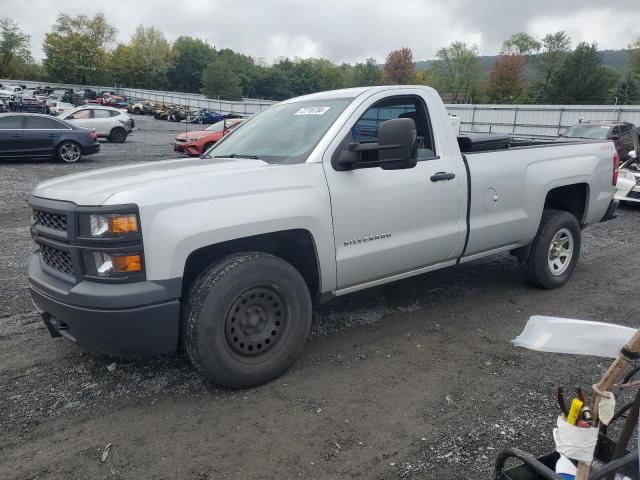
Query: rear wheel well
569, 198
295, 246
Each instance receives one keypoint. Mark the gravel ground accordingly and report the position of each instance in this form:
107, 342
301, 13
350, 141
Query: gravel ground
412, 380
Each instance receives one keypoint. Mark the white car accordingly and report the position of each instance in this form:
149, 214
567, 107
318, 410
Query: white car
59, 108
10, 91
111, 123
628, 186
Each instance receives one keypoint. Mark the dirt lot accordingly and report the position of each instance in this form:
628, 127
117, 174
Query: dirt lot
412, 380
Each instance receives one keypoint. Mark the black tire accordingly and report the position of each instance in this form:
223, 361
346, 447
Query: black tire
118, 135
69, 152
541, 264
137, 111
207, 146
246, 319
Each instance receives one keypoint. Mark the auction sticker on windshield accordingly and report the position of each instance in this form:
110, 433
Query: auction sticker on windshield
312, 111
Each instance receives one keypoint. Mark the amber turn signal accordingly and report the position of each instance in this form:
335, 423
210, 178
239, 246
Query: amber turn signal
127, 263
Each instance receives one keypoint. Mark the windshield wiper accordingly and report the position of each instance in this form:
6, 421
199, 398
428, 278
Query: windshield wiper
238, 155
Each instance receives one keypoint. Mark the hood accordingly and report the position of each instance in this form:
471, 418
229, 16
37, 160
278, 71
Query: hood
94, 188
196, 134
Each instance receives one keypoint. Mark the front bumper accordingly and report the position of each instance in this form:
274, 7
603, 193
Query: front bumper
187, 148
124, 320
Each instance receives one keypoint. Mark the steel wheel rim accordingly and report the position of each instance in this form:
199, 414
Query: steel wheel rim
560, 252
255, 321
69, 152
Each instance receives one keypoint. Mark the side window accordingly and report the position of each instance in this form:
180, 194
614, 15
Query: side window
97, 113
81, 115
615, 132
113, 113
11, 123
43, 123
366, 128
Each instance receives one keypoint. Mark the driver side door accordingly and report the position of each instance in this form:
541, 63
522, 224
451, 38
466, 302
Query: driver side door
392, 223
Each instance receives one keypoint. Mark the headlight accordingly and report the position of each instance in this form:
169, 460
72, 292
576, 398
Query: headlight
108, 225
627, 175
112, 265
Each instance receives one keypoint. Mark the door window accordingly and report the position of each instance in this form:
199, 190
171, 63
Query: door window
366, 128
42, 123
97, 113
11, 123
80, 115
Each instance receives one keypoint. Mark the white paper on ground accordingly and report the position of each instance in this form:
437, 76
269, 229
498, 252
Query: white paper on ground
581, 337
575, 442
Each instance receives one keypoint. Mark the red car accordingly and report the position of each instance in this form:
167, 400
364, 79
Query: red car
197, 142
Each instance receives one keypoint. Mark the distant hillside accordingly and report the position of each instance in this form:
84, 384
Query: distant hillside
615, 59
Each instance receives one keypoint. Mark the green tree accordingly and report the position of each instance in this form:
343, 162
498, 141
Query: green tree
366, 74
399, 67
14, 45
189, 58
521, 43
76, 49
144, 62
243, 67
627, 91
273, 84
582, 78
458, 71
633, 55
219, 81
555, 48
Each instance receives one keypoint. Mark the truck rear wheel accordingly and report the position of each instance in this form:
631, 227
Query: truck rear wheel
554, 252
246, 319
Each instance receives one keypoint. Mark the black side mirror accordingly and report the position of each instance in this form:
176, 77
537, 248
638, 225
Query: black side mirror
396, 148
615, 137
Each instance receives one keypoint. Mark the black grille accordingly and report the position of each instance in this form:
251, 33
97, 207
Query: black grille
57, 259
54, 221
634, 195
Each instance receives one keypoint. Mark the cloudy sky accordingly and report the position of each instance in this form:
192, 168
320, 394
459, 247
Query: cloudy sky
345, 30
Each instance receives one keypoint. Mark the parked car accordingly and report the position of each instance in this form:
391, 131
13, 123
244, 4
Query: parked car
62, 94
628, 187
79, 97
3, 106
30, 105
618, 132
58, 108
207, 116
110, 123
225, 253
25, 135
198, 142
10, 91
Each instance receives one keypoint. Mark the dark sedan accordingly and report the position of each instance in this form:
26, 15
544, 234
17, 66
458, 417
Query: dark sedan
25, 135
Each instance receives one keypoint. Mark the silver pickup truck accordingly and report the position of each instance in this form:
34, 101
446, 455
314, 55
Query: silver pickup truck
314, 197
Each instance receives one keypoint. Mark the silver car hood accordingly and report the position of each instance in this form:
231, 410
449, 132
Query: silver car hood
94, 188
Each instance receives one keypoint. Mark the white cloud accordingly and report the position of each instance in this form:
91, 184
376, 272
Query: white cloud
344, 30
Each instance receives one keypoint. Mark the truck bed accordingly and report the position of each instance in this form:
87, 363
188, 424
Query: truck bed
471, 142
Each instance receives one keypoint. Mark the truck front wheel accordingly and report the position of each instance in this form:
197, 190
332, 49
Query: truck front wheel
551, 258
246, 319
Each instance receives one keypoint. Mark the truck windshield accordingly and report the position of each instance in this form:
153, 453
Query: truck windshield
598, 132
285, 133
